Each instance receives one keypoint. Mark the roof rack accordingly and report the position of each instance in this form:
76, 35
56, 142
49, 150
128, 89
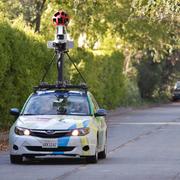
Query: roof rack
46, 86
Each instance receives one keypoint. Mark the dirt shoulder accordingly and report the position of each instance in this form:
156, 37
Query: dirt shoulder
4, 141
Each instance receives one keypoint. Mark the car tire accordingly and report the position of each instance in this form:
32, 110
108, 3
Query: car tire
103, 154
92, 159
16, 159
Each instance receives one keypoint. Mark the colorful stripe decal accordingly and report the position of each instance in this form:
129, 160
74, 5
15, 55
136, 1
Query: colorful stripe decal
72, 127
85, 123
58, 153
84, 139
64, 141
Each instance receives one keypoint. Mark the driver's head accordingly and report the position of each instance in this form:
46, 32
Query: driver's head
78, 107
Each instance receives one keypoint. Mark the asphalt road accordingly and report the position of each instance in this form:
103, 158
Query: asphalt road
142, 145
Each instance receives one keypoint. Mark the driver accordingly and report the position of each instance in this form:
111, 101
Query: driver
78, 108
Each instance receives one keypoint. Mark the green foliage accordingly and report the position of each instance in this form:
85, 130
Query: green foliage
104, 75
149, 76
22, 62
131, 93
156, 79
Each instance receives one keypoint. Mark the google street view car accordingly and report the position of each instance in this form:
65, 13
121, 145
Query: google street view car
60, 119
60, 122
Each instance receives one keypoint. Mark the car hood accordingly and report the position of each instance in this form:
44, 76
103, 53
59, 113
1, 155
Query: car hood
55, 122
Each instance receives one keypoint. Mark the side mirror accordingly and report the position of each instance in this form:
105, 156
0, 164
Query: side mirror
14, 111
100, 112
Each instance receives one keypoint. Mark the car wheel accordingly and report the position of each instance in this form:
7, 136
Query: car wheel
93, 159
16, 159
103, 154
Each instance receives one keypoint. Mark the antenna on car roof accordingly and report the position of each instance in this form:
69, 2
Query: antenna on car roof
61, 46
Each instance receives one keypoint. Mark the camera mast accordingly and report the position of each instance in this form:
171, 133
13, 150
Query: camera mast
61, 46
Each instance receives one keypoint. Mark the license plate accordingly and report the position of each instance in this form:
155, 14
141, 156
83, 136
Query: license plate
49, 144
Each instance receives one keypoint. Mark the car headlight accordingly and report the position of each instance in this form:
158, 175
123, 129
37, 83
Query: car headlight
22, 131
80, 132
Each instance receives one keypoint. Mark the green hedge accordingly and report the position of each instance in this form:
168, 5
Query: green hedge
104, 75
22, 61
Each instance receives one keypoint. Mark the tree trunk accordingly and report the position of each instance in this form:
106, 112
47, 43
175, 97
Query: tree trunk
39, 9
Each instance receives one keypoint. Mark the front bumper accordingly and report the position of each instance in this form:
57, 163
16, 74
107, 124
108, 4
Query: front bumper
67, 146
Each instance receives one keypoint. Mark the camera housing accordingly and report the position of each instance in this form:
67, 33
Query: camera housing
61, 43
61, 34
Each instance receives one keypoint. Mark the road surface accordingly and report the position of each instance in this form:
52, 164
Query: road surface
142, 145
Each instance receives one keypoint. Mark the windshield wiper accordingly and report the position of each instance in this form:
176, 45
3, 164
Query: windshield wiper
28, 114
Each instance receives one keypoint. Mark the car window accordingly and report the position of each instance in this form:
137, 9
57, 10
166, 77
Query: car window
55, 104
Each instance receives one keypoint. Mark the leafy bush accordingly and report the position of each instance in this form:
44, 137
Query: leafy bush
22, 62
104, 75
149, 77
132, 95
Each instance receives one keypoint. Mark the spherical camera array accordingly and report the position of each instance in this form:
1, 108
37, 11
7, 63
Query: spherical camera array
61, 18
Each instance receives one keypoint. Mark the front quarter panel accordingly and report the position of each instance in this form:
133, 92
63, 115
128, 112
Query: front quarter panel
100, 123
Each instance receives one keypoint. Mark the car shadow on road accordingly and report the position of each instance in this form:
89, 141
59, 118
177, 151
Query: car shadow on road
55, 161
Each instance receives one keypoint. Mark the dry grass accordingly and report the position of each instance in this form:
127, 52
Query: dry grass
4, 146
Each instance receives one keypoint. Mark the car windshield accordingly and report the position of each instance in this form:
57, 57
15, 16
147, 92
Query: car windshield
57, 104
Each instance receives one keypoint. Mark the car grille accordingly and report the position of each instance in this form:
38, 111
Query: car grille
39, 148
49, 133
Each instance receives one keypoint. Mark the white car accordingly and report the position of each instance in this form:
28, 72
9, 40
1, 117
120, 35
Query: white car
59, 122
